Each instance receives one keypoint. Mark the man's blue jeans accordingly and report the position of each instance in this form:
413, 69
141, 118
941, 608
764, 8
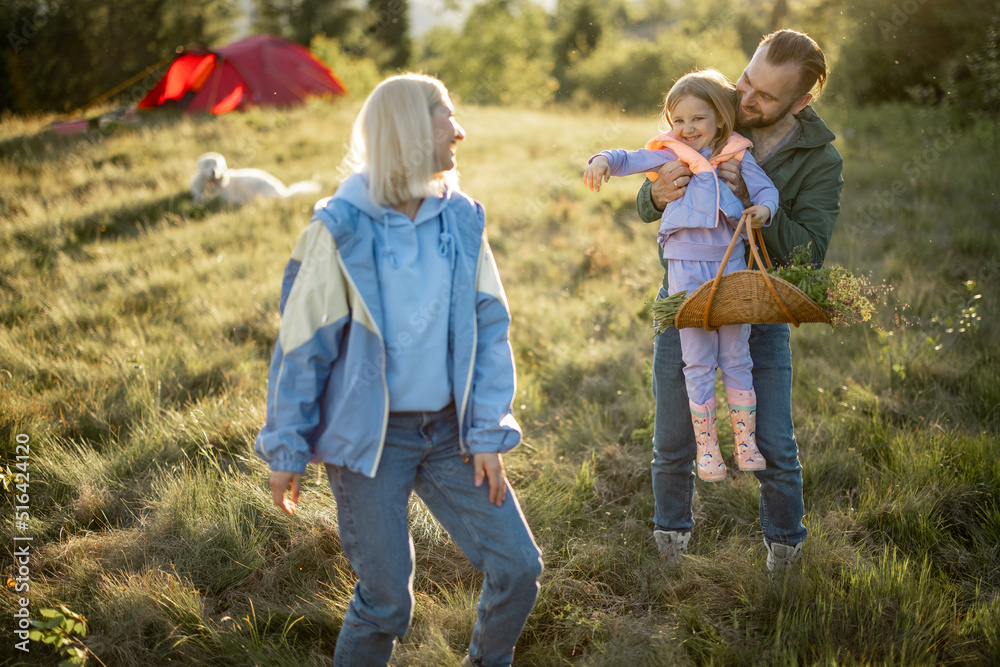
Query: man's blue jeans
422, 454
674, 447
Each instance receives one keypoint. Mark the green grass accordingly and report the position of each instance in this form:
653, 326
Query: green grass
137, 330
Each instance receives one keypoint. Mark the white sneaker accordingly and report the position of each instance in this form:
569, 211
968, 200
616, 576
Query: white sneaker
780, 556
672, 544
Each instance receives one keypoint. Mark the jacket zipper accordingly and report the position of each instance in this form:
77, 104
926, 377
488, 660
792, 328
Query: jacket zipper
472, 362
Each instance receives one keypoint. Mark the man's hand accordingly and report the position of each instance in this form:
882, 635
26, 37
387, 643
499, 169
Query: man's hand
280, 481
597, 171
730, 172
491, 466
757, 216
671, 184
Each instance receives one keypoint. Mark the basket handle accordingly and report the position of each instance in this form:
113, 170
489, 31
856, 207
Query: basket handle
718, 276
767, 279
759, 234
755, 234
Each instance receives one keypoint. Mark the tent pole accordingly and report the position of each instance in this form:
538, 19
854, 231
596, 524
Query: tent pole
123, 86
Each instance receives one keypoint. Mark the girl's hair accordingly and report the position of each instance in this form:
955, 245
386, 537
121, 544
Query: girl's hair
392, 140
712, 87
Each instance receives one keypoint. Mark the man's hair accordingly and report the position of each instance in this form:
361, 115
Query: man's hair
712, 87
393, 142
792, 46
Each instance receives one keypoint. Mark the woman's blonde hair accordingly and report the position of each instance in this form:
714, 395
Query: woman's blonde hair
393, 142
712, 87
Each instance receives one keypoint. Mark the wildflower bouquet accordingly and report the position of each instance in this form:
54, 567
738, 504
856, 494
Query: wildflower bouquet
846, 298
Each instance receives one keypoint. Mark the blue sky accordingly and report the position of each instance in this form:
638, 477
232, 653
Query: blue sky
424, 14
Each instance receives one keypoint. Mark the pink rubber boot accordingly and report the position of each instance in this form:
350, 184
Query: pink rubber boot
711, 467
743, 414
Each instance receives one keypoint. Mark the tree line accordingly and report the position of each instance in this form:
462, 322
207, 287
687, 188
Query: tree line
60, 54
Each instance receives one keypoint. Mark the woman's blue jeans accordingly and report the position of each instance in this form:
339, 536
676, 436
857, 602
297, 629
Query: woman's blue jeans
674, 447
422, 454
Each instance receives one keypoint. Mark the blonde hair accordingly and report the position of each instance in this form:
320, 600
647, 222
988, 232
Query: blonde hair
392, 140
712, 87
792, 46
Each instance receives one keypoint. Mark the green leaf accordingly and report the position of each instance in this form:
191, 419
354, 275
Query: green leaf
35, 635
47, 613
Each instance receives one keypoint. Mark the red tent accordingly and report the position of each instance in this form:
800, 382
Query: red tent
262, 70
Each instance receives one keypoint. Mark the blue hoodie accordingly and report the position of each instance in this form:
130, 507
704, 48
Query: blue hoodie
335, 371
415, 259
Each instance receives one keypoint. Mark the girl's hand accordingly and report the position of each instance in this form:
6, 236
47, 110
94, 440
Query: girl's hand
491, 466
757, 216
597, 170
280, 481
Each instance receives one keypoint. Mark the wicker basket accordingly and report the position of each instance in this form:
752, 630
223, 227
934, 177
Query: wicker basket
747, 297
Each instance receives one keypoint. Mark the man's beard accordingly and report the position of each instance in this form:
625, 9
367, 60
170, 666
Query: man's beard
759, 120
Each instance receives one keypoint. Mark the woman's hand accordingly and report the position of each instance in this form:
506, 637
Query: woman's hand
671, 184
597, 171
757, 216
280, 481
491, 466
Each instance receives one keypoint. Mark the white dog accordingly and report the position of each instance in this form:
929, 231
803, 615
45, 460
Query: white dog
239, 186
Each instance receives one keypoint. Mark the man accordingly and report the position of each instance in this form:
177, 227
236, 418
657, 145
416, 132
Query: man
794, 147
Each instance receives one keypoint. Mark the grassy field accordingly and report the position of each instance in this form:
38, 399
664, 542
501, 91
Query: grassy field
137, 330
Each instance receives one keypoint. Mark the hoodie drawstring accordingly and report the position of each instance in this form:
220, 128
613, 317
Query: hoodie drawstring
387, 251
446, 242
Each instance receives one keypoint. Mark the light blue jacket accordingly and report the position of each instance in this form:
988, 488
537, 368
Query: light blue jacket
327, 397
689, 228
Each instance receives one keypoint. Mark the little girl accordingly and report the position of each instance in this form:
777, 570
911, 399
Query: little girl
700, 111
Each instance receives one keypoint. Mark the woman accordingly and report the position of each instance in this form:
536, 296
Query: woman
393, 369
